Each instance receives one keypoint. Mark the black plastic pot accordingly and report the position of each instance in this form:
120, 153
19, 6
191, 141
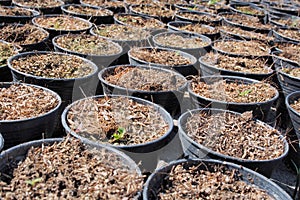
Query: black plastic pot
11, 157
5, 2
152, 30
185, 70
108, 19
54, 32
178, 17
288, 83
18, 19
195, 150
164, 19
283, 61
38, 46
266, 55
282, 38
286, 8
175, 27
260, 110
115, 9
157, 180
196, 52
233, 8
146, 154
169, 100
287, 17
1, 142
5, 74
18, 131
126, 44
102, 61
207, 69
228, 22
294, 115
42, 10
68, 89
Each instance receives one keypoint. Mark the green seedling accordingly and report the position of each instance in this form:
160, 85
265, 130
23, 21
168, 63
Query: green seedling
212, 2
244, 93
119, 134
34, 181
56, 25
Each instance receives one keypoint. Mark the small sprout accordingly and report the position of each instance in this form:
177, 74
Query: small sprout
212, 2
34, 181
246, 92
56, 25
134, 20
119, 134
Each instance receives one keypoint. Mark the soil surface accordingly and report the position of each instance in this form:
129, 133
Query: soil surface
6, 51
179, 41
249, 35
84, 10
294, 34
296, 105
215, 182
238, 64
295, 72
119, 121
199, 17
121, 32
154, 10
14, 11
249, 21
22, 34
249, 10
199, 28
39, 3
162, 57
104, 3
291, 22
52, 65
290, 51
234, 91
146, 79
141, 22
87, 44
24, 102
71, 170
233, 135
245, 48
63, 22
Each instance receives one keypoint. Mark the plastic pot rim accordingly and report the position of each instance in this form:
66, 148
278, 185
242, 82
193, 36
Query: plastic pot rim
233, 103
186, 55
123, 147
90, 25
92, 31
287, 103
280, 72
53, 140
82, 54
20, 55
100, 76
65, 6
39, 7
224, 156
271, 71
34, 13
186, 35
285, 37
1, 142
36, 117
232, 7
211, 161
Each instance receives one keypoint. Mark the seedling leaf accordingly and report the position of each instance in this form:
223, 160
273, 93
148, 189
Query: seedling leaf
34, 181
